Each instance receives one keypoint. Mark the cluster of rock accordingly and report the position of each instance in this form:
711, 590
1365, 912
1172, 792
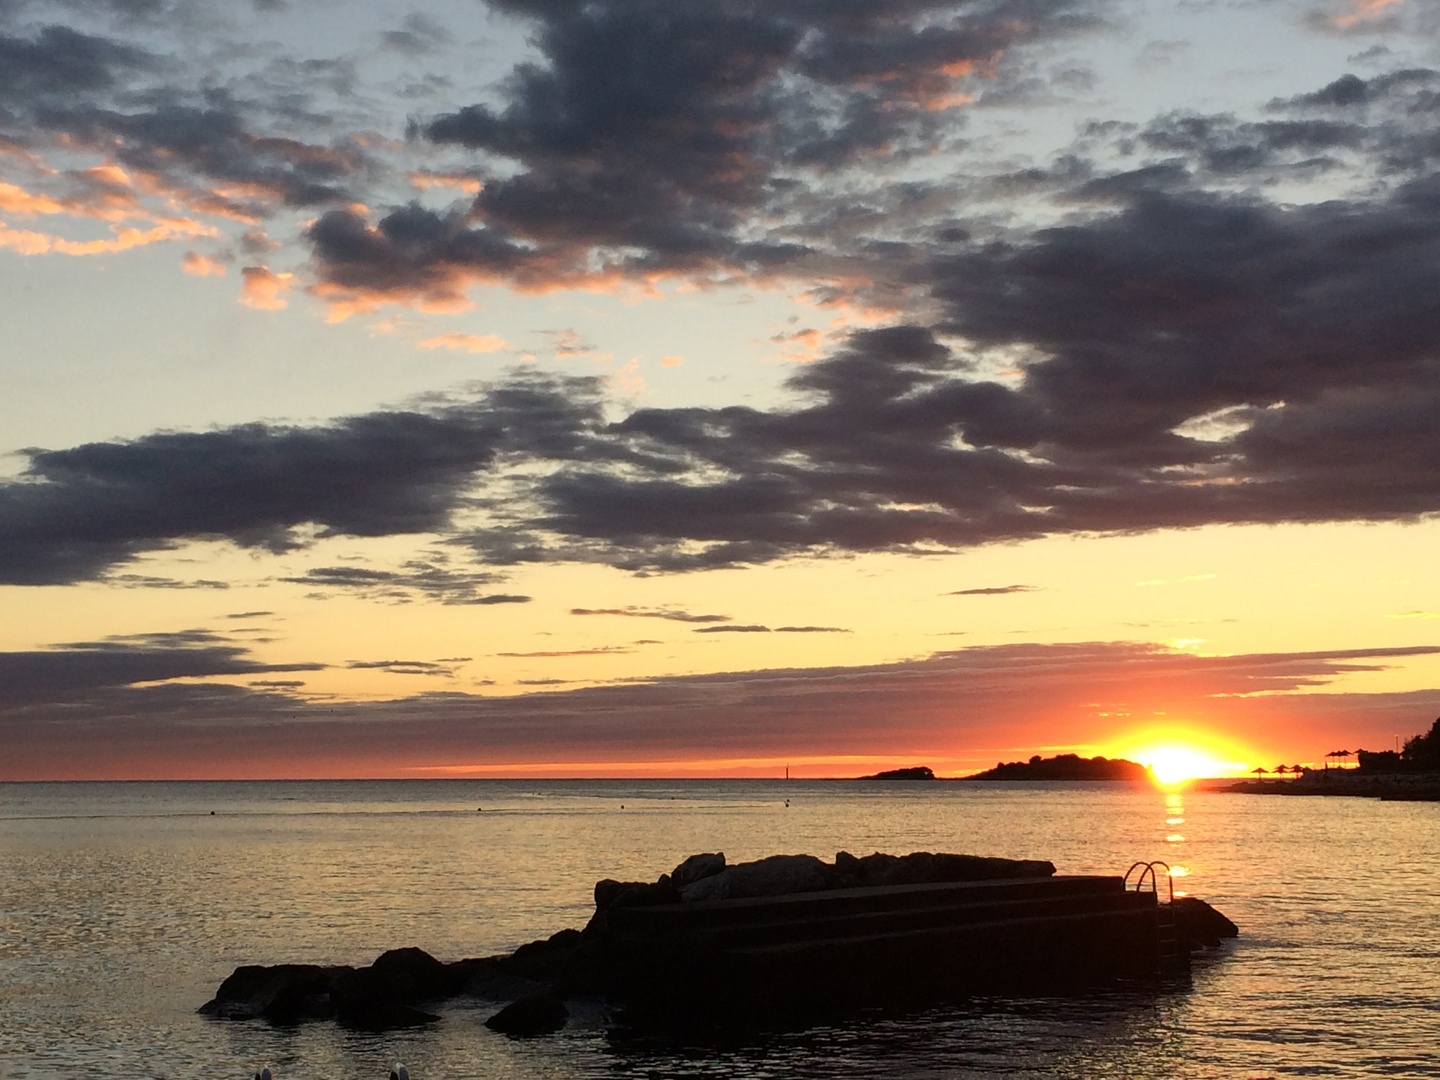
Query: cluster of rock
536, 978
384, 995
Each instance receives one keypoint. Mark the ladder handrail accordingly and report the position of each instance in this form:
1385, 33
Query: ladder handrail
1149, 869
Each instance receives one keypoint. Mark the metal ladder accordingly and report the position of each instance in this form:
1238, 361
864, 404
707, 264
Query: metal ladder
1168, 962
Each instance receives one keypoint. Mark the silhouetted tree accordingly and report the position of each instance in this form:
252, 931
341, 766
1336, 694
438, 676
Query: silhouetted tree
1423, 751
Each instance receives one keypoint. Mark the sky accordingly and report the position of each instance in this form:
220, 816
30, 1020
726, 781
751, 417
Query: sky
655, 387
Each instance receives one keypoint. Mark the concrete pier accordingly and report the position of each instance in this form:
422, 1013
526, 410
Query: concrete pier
892, 944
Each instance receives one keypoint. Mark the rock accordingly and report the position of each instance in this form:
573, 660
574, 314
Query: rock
610, 894
539, 1014
697, 867
543, 960
490, 978
779, 875
923, 868
282, 994
387, 1016
414, 975
1201, 923
379, 997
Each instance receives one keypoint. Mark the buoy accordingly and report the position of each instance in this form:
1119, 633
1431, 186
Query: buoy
399, 1072
264, 1074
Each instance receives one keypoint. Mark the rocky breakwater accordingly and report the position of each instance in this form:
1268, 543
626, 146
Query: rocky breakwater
715, 939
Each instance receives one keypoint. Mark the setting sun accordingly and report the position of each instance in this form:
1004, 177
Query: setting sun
1176, 761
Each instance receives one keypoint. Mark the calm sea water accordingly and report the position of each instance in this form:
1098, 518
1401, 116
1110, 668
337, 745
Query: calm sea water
123, 906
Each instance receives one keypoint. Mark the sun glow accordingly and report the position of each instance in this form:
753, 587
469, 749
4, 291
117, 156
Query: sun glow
1174, 761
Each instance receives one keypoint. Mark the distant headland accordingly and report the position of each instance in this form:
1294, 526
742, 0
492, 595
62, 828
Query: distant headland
915, 772
1066, 767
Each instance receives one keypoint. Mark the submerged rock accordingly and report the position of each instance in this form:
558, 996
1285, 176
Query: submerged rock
538, 1014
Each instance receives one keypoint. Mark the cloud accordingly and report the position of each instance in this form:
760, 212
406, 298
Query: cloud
264, 289
146, 581
954, 705
751, 629
77, 513
202, 266
994, 590
78, 671
405, 667
1193, 351
475, 343
601, 650
634, 612
811, 630
417, 579
724, 111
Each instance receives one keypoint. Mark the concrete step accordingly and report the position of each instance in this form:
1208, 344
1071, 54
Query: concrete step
668, 920
843, 924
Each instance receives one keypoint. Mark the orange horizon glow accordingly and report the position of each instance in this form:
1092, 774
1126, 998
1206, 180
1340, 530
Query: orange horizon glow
1179, 757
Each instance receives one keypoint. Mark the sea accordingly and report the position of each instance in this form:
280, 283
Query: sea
124, 905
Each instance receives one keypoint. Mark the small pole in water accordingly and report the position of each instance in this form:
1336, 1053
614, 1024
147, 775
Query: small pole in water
787, 772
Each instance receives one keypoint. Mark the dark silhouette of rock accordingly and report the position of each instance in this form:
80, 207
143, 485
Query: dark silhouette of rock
914, 772
380, 996
611, 894
778, 875
1200, 923
492, 979
696, 867
282, 994
539, 1014
414, 975
545, 960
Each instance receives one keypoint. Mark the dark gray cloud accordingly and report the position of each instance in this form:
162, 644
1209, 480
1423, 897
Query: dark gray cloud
651, 133
993, 590
145, 581
634, 612
81, 670
1190, 351
747, 629
78, 512
418, 578
438, 669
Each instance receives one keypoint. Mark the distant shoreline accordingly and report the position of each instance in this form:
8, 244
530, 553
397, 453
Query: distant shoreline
1351, 783
1062, 768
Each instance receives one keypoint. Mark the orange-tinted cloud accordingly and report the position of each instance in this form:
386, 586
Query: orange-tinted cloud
264, 289
202, 265
475, 343
28, 242
1360, 10
459, 181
